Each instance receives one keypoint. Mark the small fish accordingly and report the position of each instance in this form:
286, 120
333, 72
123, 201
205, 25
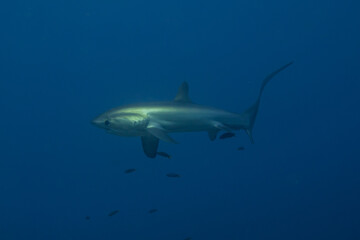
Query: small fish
227, 135
130, 170
241, 148
173, 175
113, 213
163, 154
87, 217
154, 210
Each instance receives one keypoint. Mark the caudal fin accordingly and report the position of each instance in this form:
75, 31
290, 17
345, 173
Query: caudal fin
251, 112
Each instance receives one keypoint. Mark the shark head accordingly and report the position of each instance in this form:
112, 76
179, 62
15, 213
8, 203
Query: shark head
101, 121
122, 123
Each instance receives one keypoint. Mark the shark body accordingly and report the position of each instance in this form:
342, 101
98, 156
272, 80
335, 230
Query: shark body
154, 121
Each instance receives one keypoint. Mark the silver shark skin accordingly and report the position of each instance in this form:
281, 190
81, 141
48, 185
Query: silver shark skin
153, 121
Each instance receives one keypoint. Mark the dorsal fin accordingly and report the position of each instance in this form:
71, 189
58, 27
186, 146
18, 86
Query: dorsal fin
183, 93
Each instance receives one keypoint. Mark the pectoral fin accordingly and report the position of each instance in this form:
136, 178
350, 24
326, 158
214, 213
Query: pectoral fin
155, 129
150, 145
160, 134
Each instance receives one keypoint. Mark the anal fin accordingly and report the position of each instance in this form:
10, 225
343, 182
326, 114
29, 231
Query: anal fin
249, 133
212, 134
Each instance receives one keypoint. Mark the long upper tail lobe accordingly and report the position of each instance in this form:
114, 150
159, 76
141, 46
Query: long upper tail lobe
251, 112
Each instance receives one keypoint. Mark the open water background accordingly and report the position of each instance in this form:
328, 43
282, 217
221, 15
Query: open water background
64, 62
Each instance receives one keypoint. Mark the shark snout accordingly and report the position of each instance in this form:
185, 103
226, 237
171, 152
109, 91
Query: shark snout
99, 122
93, 122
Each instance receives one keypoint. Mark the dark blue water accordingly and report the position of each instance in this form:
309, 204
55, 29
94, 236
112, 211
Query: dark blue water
64, 62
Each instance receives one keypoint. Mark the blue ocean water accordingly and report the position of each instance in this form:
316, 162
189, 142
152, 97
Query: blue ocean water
64, 62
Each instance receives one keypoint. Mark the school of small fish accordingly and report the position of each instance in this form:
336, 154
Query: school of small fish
170, 175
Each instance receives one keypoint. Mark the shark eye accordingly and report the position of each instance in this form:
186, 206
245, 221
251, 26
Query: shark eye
107, 123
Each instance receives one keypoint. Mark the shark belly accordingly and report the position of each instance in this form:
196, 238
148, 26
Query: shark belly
195, 119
